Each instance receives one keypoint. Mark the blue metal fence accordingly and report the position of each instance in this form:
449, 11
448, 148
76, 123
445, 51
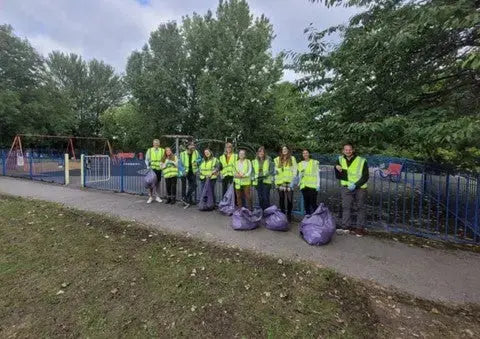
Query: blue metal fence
33, 165
422, 200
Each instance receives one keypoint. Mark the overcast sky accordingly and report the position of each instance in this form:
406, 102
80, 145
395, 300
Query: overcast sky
111, 29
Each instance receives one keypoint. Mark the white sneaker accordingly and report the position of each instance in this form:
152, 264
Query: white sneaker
157, 199
149, 201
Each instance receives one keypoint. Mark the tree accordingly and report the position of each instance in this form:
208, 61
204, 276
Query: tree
210, 77
404, 79
29, 103
125, 127
91, 88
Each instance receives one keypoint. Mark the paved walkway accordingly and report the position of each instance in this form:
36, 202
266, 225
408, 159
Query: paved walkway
451, 276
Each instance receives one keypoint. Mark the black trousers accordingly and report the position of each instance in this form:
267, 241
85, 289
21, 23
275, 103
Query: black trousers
226, 181
187, 196
309, 199
286, 195
171, 184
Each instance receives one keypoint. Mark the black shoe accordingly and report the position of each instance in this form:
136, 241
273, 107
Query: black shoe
173, 201
168, 201
289, 217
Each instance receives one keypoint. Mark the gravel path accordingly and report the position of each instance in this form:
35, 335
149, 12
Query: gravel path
440, 275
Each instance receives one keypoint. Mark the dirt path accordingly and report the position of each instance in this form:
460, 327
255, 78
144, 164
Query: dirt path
439, 275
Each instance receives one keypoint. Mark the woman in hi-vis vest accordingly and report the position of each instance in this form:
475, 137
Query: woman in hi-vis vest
170, 173
285, 175
209, 169
243, 180
309, 171
263, 170
153, 159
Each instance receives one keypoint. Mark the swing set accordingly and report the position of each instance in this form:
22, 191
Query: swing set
18, 150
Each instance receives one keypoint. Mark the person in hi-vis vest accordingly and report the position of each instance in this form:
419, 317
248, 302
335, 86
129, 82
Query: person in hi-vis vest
263, 170
352, 171
227, 164
285, 175
209, 169
153, 159
309, 172
190, 160
243, 180
170, 173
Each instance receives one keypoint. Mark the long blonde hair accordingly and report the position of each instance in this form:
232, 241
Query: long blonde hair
169, 157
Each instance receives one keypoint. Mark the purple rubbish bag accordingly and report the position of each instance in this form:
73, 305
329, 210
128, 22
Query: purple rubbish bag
150, 179
206, 198
319, 227
243, 219
274, 219
227, 205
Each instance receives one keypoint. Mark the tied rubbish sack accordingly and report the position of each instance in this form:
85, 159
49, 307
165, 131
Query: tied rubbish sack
206, 198
150, 180
319, 227
243, 219
274, 219
227, 205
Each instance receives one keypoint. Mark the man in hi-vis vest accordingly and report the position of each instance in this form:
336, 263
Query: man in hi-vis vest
153, 159
352, 171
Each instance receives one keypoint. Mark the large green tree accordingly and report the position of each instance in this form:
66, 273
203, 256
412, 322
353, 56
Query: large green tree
211, 77
404, 79
91, 88
29, 103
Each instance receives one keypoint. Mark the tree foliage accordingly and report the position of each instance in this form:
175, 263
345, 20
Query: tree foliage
211, 77
26, 92
91, 87
403, 80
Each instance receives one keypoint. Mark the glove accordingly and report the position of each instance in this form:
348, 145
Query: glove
352, 187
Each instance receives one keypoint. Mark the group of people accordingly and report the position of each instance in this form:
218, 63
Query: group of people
262, 173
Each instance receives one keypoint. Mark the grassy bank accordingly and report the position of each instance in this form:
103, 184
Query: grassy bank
69, 273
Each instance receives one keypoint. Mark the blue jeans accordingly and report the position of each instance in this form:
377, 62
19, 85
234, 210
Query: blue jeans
263, 192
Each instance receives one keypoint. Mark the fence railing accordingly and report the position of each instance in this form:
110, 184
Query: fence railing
34, 166
419, 200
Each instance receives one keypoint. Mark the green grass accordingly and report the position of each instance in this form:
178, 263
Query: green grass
121, 280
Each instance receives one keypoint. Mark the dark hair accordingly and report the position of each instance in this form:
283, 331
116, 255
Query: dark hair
348, 144
208, 149
306, 149
262, 148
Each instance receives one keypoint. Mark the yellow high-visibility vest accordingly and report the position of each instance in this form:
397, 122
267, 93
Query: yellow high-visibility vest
247, 170
170, 170
207, 167
354, 172
155, 157
285, 174
309, 173
267, 178
228, 169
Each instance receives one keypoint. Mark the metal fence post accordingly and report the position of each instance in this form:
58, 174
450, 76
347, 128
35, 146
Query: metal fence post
4, 164
121, 175
82, 170
30, 161
66, 166
477, 207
